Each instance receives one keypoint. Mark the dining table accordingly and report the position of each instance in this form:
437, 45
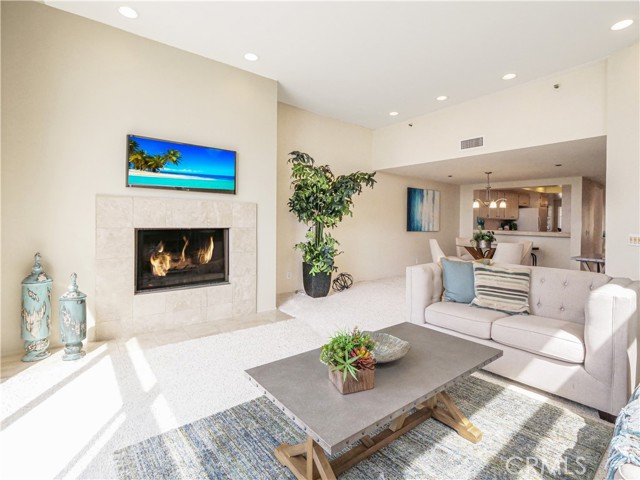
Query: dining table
479, 253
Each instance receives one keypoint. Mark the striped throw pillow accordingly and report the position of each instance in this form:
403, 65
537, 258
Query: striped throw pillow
502, 289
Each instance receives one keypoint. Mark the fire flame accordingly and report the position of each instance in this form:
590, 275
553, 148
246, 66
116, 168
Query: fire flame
205, 254
162, 262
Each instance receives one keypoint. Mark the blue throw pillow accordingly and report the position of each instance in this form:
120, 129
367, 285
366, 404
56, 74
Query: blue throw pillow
458, 281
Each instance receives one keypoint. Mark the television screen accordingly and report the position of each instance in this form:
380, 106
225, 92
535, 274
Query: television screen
161, 164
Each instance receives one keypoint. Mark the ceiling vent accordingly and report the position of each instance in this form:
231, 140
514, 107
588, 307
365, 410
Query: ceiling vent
471, 143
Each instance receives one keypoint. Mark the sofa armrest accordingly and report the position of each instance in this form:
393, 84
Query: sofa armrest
611, 338
424, 287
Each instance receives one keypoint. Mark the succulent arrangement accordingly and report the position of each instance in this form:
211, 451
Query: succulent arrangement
348, 352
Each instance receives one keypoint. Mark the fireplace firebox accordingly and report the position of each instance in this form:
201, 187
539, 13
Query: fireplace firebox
180, 258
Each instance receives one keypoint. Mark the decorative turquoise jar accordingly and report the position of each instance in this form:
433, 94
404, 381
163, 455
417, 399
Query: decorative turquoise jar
36, 313
73, 321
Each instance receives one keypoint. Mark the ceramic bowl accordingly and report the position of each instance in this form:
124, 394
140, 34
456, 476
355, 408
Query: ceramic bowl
388, 348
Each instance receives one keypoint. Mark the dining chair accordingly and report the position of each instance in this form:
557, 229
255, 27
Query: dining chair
436, 251
508, 253
527, 247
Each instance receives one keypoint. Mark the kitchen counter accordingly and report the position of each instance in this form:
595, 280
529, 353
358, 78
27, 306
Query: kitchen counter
555, 247
523, 233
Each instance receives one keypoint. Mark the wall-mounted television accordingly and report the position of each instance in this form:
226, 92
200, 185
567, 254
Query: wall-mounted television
154, 163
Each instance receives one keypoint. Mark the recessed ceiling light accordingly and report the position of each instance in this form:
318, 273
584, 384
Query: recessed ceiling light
450, 176
127, 12
393, 114
621, 24
558, 164
252, 57
441, 98
509, 76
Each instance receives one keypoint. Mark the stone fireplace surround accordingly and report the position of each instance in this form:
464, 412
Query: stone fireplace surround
119, 313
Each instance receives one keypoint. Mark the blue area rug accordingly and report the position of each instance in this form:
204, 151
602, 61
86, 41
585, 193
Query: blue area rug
524, 438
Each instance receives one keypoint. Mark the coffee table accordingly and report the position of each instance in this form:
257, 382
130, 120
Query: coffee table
300, 387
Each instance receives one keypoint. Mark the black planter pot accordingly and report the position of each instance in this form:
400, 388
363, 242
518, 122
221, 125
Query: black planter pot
317, 285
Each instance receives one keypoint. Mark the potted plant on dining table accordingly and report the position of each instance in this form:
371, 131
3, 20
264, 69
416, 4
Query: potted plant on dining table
483, 239
350, 360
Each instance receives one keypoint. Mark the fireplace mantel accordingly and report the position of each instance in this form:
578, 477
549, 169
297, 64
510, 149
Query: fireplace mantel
119, 313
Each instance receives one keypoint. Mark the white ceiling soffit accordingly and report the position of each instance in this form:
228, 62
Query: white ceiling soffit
358, 61
578, 158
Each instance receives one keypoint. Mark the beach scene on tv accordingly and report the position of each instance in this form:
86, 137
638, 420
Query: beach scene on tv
158, 163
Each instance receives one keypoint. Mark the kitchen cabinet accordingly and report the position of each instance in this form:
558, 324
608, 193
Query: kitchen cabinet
524, 200
497, 213
544, 200
511, 212
538, 199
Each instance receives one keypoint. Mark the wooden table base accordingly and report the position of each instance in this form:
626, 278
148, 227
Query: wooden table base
308, 461
479, 253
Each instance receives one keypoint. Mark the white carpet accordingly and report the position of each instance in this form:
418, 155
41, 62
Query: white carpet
65, 419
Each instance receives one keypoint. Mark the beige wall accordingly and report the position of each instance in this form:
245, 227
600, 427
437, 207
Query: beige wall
623, 163
374, 241
71, 91
1, 289
522, 116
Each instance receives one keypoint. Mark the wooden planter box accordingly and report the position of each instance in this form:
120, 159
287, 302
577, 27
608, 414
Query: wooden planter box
351, 385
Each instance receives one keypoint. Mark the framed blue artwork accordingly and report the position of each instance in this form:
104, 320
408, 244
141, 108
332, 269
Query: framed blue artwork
423, 210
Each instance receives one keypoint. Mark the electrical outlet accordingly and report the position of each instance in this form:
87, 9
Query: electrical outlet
634, 239
288, 275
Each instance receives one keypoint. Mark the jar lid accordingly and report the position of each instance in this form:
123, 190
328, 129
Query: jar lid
72, 292
37, 275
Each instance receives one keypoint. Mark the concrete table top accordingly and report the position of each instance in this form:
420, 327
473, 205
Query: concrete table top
300, 387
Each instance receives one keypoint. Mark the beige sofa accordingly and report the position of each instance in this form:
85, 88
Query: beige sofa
579, 342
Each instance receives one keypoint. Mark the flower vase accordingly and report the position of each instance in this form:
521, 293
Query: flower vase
36, 313
73, 321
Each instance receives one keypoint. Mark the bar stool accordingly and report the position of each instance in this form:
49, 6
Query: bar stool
534, 257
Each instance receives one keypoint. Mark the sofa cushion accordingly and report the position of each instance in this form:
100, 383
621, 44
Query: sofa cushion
544, 336
462, 318
505, 289
458, 280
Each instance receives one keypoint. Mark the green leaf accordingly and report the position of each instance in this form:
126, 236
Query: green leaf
321, 200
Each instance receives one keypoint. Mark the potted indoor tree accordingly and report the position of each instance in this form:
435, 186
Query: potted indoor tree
350, 360
320, 200
483, 239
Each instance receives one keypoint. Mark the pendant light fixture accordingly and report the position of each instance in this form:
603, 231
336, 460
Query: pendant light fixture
488, 202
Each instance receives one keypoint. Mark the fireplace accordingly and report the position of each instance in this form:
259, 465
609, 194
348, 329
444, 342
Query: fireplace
180, 258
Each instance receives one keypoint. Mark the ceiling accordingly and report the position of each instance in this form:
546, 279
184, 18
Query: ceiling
357, 61
578, 158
